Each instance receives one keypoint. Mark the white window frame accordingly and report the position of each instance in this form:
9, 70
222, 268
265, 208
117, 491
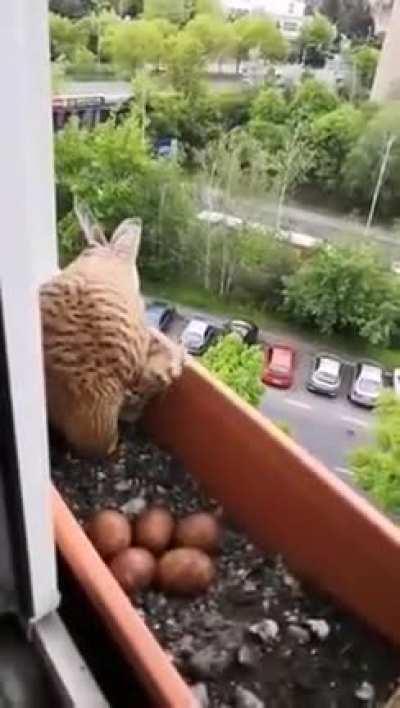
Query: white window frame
28, 255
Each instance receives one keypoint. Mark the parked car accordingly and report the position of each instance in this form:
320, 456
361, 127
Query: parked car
216, 218
247, 331
160, 314
367, 384
198, 335
396, 381
326, 375
279, 366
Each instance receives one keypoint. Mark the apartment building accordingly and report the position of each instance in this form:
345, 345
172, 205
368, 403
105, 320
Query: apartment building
387, 80
288, 14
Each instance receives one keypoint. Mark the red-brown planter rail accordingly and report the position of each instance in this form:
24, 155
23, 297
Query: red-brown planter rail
284, 498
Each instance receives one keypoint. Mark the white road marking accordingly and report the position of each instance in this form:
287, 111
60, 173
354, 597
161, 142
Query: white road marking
343, 470
298, 404
355, 421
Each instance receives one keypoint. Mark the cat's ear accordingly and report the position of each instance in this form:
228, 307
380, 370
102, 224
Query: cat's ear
94, 234
126, 238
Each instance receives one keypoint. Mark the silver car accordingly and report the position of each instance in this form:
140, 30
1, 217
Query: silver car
367, 384
198, 335
326, 375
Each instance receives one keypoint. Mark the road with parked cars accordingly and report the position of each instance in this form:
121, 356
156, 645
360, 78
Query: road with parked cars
326, 401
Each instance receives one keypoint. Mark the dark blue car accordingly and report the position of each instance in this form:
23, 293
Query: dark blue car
160, 314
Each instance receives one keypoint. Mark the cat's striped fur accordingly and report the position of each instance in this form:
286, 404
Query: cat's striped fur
98, 352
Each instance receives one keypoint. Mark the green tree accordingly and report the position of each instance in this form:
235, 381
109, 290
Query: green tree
317, 33
261, 33
143, 86
345, 289
172, 10
233, 107
126, 7
333, 135
311, 99
131, 44
377, 467
67, 36
269, 116
228, 166
373, 165
184, 61
110, 168
166, 27
238, 366
265, 265
292, 165
355, 19
365, 60
208, 7
97, 24
216, 37
57, 76
193, 118
332, 9
70, 8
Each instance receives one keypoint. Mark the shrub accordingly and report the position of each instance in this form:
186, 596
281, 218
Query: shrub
238, 366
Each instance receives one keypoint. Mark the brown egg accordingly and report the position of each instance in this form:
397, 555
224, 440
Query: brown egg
134, 568
109, 531
185, 571
199, 530
154, 529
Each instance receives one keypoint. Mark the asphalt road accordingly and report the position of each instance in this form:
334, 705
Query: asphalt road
335, 228
328, 428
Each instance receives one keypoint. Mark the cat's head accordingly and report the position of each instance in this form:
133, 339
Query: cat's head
123, 244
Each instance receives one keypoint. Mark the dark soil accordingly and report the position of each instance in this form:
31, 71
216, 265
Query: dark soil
249, 642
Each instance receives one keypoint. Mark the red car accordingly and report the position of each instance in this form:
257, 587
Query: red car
279, 366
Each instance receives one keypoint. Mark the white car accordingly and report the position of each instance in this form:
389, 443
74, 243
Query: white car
367, 384
213, 218
198, 335
396, 381
299, 240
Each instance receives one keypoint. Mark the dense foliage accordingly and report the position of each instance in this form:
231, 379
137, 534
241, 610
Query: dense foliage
341, 143
316, 37
238, 366
345, 290
353, 17
274, 140
377, 467
113, 171
363, 163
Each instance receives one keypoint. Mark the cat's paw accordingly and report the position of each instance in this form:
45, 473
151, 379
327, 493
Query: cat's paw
178, 360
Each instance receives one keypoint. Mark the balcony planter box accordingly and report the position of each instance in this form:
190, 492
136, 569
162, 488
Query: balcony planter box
284, 499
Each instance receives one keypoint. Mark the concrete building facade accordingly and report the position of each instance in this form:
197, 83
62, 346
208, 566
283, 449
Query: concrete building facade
387, 80
381, 12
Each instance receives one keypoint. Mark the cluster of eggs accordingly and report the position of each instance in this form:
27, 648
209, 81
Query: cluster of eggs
154, 548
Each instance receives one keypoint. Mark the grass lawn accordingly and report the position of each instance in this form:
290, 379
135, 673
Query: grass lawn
191, 296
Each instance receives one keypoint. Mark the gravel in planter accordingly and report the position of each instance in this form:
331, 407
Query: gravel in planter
258, 637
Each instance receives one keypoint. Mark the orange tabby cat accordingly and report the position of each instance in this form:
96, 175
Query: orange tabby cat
98, 352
